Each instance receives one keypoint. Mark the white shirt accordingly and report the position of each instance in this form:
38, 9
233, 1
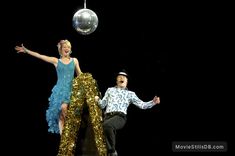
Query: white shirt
118, 99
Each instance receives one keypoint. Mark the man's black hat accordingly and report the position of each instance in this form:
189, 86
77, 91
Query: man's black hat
123, 72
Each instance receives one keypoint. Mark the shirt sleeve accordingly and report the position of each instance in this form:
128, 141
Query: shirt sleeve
103, 102
139, 103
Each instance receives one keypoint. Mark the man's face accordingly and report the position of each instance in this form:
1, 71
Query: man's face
122, 81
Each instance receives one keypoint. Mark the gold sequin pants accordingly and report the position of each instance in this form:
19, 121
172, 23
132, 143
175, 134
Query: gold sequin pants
83, 91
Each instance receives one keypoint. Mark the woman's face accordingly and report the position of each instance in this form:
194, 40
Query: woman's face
65, 50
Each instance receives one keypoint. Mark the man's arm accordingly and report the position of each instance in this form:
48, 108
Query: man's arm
103, 102
144, 105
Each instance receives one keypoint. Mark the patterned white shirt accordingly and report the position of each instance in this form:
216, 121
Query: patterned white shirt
118, 99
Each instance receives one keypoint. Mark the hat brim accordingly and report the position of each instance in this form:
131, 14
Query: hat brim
123, 75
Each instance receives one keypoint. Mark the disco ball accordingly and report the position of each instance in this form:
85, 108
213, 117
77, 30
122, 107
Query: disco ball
85, 21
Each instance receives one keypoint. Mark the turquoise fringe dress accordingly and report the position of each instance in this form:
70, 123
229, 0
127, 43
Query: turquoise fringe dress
60, 94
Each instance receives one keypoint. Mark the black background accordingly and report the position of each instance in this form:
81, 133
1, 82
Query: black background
169, 49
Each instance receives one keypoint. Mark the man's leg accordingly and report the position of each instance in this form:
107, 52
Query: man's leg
111, 125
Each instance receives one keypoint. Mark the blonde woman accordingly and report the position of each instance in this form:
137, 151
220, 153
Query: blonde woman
59, 100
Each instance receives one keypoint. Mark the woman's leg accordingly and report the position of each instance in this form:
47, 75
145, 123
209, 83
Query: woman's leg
64, 108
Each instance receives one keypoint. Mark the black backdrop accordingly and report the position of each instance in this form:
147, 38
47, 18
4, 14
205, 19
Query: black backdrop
137, 36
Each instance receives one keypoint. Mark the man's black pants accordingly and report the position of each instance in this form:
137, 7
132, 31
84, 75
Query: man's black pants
113, 122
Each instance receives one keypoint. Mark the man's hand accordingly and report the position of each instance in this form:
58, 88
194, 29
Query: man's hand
156, 100
97, 98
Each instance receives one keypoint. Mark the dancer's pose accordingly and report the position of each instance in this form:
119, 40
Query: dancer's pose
60, 98
116, 101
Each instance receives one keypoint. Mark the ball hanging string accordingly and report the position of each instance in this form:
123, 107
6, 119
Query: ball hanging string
85, 4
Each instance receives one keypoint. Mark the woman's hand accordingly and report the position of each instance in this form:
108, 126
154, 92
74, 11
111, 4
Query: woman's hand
20, 49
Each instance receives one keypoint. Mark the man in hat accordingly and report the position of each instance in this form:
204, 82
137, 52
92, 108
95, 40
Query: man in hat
116, 101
